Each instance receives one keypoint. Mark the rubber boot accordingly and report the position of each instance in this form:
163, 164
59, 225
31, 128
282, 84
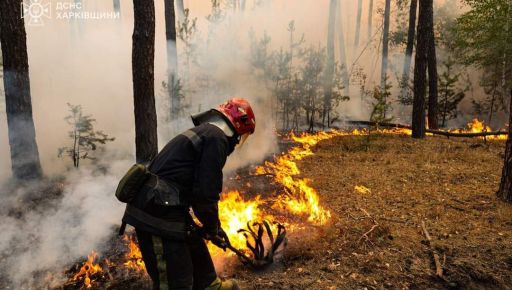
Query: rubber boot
223, 285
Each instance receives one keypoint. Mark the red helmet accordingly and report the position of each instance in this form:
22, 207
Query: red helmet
239, 112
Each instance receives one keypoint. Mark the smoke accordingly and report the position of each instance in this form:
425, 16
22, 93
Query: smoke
50, 235
88, 63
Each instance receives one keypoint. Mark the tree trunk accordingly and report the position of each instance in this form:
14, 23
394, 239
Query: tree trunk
358, 22
370, 20
181, 10
505, 190
343, 54
420, 72
18, 104
432, 69
117, 6
329, 70
172, 58
143, 57
385, 45
410, 47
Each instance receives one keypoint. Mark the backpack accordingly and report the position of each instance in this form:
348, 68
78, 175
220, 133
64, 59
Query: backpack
132, 182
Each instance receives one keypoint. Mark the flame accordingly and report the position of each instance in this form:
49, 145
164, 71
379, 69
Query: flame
298, 198
477, 126
88, 269
235, 213
134, 256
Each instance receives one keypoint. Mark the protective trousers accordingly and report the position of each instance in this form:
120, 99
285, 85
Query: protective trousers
174, 264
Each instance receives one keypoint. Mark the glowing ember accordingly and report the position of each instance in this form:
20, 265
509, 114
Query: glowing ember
88, 269
134, 256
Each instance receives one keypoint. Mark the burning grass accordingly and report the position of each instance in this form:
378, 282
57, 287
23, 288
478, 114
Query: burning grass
378, 199
330, 234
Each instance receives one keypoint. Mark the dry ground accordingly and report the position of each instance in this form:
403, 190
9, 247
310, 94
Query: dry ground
448, 184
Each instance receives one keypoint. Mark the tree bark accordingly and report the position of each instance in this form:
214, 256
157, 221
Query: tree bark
358, 22
172, 57
432, 70
385, 45
143, 56
410, 46
505, 190
25, 162
420, 72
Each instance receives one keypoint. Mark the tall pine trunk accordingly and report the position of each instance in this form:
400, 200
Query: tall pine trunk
432, 69
143, 57
342, 51
329, 70
22, 136
172, 57
117, 6
420, 72
410, 47
358, 22
385, 46
370, 20
181, 10
505, 190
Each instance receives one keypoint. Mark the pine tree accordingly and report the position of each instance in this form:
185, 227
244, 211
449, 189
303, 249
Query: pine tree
143, 57
18, 101
449, 95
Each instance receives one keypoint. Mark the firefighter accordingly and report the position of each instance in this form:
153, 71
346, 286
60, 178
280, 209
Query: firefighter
188, 176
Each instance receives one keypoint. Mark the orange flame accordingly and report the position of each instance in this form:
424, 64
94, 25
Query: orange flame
134, 256
88, 269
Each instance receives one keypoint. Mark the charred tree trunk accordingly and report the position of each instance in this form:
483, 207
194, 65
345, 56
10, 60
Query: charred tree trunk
505, 190
420, 72
370, 20
22, 136
358, 22
329, 70
172, 58
143, 57
385, 46
410, 47
432, 69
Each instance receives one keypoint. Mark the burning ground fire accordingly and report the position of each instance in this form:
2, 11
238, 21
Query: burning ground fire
295, 205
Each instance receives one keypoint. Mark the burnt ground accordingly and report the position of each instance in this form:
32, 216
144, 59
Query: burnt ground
375, 239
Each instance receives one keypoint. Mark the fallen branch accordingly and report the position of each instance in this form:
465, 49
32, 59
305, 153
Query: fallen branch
435, 132
437, 262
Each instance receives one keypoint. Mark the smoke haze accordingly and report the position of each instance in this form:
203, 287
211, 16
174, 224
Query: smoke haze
88, 63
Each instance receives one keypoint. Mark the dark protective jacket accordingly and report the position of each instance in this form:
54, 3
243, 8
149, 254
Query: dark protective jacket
196, 169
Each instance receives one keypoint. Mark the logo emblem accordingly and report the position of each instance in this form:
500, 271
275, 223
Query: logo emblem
35, 11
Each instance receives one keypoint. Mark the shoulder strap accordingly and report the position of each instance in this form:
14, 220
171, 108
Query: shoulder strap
193, 137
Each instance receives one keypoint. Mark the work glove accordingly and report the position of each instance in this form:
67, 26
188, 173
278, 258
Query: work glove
220, 239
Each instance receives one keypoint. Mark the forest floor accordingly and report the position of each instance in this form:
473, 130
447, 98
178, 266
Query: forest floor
375, 239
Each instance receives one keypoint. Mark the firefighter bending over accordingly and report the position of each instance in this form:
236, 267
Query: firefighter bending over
188, 174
